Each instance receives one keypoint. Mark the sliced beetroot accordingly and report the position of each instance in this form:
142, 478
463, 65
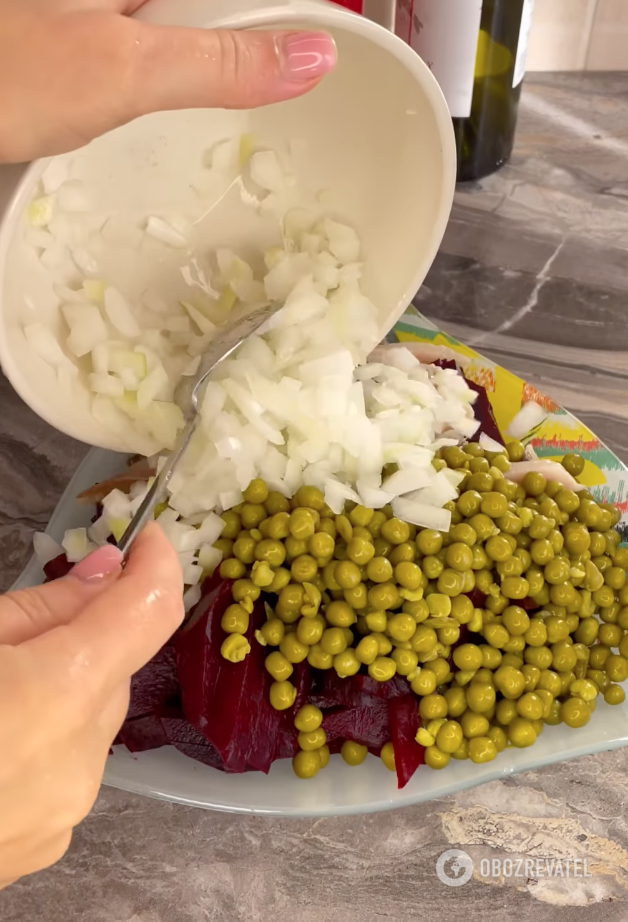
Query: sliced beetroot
366, 725
228, 702
142, 733
57, 568
358, 691
156, 686
403, 714
186, 739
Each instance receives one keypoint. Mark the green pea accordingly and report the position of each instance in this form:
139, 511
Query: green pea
450, 582
384, 596
534, 483
616, 668
303, 569
408, 575
498, 548
573, 464
564, 657
340, 614
379, 570
483, 526
395, 531
232, 569
494, 505
516, 451
515, 587
480, 697
429, 542
557, 571
521, 732
459, 556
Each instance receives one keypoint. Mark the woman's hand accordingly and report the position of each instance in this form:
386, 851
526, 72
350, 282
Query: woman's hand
71, 70
67, 652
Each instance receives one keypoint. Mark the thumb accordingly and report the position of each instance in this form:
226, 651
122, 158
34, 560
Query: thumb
179, 68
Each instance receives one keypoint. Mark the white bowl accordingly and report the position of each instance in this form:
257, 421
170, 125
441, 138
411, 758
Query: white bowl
376, 134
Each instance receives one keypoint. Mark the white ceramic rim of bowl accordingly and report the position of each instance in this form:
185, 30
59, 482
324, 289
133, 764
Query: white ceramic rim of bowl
307, 15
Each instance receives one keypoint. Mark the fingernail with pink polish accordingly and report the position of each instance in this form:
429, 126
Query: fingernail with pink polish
104, 562
305, 56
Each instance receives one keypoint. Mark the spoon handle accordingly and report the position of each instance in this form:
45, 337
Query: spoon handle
158, 490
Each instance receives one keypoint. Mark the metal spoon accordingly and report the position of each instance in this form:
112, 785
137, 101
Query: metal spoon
187, 396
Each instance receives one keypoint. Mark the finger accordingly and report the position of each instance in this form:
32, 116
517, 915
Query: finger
175, 68
122, 628
27, 613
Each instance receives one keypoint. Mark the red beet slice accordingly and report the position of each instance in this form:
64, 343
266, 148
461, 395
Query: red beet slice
155, 686
57, 568
357, 691
186, 739
403, 714
228, 702
366, 725
141, 734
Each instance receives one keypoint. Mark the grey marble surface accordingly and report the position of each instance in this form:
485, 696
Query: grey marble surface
534, 272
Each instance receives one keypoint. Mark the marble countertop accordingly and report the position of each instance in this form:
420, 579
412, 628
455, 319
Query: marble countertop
532, 272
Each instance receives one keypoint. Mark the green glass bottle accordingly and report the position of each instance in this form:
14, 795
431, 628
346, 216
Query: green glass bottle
477, 52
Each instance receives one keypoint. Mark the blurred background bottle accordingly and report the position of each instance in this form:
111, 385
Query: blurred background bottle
477, 51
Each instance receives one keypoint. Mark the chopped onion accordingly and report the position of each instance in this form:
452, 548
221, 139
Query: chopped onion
76, 544
416, 513
103, 383
527, 419
266, 171
45, 548
165, 233
489, 444
87, 328
119, 313
40, 211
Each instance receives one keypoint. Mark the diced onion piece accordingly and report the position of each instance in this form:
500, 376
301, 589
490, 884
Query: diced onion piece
73, 196
527, 419
76, 544
344, 243
45, 548
266, 171
87, 328
122, 360
165, 233
202, 322
419, 514
103, 383
40, 211
119, 313
209, 558
408, 479
95, 290
192, 597
489, 444
99, 531
153, 385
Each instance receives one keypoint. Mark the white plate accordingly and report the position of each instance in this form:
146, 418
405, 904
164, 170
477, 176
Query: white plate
169, 775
